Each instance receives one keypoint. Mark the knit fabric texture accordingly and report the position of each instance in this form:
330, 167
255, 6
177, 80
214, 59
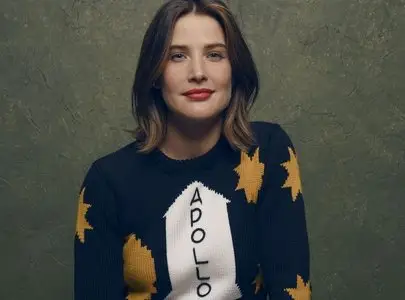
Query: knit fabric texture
225, 225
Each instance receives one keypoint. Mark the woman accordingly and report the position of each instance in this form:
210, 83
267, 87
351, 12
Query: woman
204, 204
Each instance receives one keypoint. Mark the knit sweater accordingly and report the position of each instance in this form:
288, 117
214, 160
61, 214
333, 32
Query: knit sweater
225, 225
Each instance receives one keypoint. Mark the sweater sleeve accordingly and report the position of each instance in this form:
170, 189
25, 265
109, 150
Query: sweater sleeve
283, 239
98, 262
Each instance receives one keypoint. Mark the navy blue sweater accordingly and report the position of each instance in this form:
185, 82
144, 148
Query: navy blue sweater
224, 225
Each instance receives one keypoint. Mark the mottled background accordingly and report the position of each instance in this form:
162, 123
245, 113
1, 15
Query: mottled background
332, 73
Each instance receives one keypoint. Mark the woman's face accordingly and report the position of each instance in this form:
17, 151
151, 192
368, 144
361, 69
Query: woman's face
198, 59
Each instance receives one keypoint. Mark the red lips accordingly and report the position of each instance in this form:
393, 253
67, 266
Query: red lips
198, 91
198, 94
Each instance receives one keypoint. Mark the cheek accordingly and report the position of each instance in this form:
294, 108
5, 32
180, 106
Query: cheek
224, 82
170, 80
222, 76
169, 86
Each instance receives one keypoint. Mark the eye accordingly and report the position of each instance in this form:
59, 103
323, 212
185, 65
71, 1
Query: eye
216, 55
176, 56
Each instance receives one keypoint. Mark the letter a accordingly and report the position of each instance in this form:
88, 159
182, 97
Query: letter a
196, 197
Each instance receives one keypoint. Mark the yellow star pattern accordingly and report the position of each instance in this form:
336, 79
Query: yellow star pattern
81, 221
139, 296
293, 180
139, 269
258, 281
302, 291
250, 171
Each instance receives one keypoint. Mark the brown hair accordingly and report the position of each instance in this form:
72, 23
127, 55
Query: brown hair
148, 107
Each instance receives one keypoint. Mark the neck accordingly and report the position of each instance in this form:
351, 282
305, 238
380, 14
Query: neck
186, 139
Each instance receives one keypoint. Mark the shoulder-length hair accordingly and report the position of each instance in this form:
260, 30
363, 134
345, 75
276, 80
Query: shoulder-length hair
148, 106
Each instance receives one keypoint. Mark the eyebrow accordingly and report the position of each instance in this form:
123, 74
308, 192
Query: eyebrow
207, 46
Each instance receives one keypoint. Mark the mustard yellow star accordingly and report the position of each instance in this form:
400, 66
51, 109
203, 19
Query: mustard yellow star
139, 269
81, 221
293, 180
258, 281
250, 171
302, 291
139, 296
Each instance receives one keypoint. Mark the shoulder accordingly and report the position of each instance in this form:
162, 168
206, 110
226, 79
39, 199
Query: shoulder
117, 163
264, 129
273, 141
269, 134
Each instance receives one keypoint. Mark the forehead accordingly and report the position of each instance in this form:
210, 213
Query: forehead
196, 29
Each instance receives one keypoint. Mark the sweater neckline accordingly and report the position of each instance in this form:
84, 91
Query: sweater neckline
202, 162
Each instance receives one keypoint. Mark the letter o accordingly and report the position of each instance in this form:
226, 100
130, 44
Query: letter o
202, 237
203, 293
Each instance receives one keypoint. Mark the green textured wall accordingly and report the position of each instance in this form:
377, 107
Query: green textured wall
332, 73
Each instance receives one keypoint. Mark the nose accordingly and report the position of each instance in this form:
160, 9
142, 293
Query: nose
197, 70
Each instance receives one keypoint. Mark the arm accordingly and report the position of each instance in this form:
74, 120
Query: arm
283, 239
98, 262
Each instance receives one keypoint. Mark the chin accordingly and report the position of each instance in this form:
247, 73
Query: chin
201, 116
